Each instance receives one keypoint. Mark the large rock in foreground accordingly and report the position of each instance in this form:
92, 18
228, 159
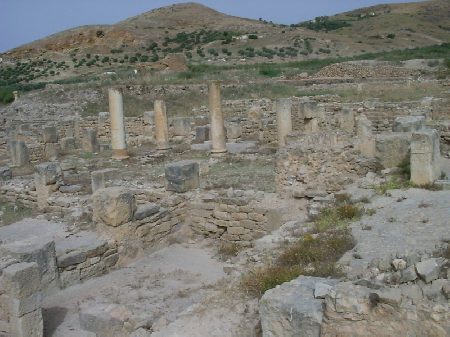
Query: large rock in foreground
113, 206
291, 310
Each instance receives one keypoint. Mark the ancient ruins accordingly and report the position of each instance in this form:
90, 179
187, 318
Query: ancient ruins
187, 173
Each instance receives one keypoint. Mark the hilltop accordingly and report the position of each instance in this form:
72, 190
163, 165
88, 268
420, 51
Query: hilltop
170, 38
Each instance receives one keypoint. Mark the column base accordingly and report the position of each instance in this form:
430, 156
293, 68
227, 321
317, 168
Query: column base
219, 153
120, 154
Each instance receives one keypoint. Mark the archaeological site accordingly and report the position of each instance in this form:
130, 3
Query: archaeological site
186, 173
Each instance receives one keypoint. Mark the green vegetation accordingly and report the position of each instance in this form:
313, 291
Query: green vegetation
13, 212
324, 23
6, 95
312, 255
337, 217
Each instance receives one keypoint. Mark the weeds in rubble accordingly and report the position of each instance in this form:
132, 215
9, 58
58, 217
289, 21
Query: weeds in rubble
392, 184
10, 213
227, 250
312, 255
337, 217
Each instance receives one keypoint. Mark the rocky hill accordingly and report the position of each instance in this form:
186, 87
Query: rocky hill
198, 34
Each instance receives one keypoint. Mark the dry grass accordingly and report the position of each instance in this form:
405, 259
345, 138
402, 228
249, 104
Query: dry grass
313, 255
336, 217
228, 250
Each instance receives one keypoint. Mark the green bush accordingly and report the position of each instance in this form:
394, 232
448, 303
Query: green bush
269, 71
6, 95
447, 63
391, 36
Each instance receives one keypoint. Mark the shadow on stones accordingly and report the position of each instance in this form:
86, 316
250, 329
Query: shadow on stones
53, 317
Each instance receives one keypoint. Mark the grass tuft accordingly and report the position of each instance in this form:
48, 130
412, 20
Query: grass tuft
313, 255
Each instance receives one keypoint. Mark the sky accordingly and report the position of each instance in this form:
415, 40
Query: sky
23, 21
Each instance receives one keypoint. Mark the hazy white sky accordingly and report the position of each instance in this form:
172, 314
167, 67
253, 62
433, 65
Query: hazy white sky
23, 21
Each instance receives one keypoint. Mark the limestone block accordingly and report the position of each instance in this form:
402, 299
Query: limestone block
149, 117
309, 109
72, 258
40, 251
47, 173
182, 176
67, 143
104, 319
291, 310
29, 325
201, 134
425, 157
234, 130
50, 134
181, 126
52, 151
113, 206
21, 306
90, 142
19, 153
428, 270
392, 148
100, 179
5, 173
409, 123
144, 211
347, 119
363, 126
22, 280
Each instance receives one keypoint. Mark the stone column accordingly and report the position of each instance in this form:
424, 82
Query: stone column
284, 119
425, 157
118, 142
161, 128
217, 124
19, 153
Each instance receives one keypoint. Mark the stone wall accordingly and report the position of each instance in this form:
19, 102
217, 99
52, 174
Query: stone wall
320, 163
232, 216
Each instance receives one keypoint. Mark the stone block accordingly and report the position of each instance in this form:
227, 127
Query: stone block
38, 250
149, 117
182, 176
409, 123
113, 206
347, 119
72, 258
19, 307
47, 173
100, 179
22, 280
428, 270
19, 153
67, 144
181, 126
425, 157
392, 149
5, 173
52, 151
104, 319
202, 134
234, 131
29, 325
50, 134
291, 310
90, 142
146, 210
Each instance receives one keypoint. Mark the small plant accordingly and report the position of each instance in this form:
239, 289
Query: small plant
392, 184
370, 211
269, 71
227, 250
313, 255
391, 36
336, 217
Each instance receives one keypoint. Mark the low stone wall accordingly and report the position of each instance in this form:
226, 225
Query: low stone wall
320, 163
19, 191
86, 262
238, 218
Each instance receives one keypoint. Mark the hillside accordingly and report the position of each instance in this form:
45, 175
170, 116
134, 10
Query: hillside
199, 35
